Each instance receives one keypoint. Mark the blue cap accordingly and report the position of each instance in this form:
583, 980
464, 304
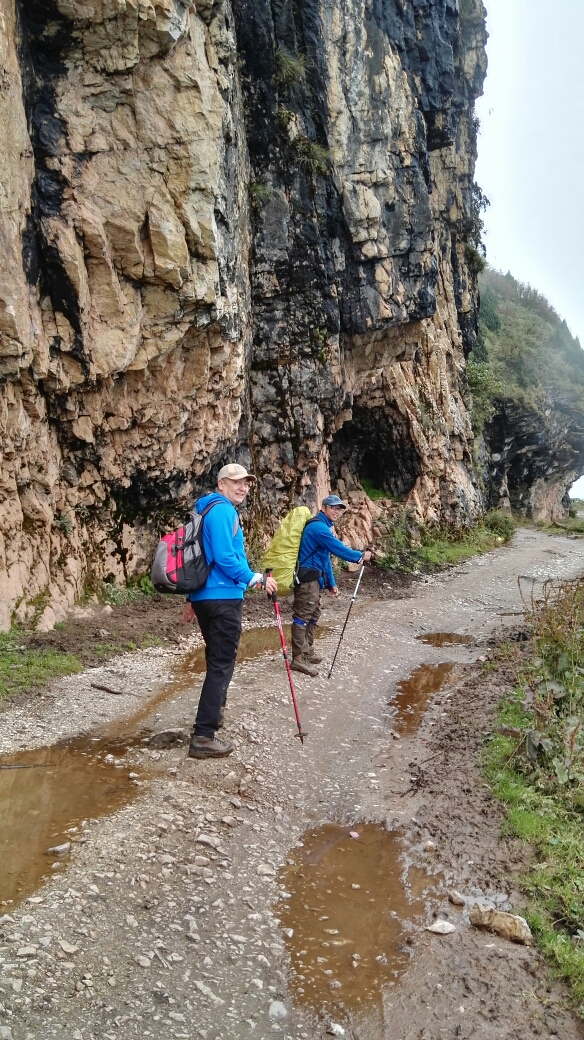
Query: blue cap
333, 500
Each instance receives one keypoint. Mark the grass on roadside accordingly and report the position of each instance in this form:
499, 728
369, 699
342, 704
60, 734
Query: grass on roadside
411, 548
120, 595
24, 668
536, 768
572, 524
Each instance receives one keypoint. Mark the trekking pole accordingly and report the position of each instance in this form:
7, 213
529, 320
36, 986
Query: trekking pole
274, 599
353, 598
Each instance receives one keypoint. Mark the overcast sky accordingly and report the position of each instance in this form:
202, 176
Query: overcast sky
531, 149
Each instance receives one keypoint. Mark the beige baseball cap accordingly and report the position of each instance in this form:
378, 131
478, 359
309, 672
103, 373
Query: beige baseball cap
233, 471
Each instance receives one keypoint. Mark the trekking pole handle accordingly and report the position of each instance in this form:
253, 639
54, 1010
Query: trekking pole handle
273, 596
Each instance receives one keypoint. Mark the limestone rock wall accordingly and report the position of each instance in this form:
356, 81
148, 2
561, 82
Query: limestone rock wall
532, 458
363, 305
227, 230
124, 300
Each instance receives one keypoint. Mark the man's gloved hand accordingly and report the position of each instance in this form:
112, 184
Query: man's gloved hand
257, 582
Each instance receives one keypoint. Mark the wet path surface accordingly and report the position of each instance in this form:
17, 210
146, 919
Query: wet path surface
174, 904
48, 795
350, 900
46, 798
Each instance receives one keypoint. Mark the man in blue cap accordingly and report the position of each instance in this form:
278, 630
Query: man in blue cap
313, 573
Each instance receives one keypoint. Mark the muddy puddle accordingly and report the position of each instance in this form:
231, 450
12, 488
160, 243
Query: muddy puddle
44, 797
351, 905
45, 794
445, 639
253, 643
411, 700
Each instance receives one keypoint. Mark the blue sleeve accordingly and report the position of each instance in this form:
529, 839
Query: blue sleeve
329, 578
223, 550
337, 548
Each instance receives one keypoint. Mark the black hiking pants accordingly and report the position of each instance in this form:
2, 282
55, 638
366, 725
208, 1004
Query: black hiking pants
220, 624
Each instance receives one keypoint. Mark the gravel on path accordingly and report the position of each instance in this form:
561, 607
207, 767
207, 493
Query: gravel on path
164, 923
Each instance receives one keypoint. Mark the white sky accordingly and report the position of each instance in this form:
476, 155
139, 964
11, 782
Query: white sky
531, 150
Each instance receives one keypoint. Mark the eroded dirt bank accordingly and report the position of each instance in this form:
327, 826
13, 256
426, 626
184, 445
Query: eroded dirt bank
171, 918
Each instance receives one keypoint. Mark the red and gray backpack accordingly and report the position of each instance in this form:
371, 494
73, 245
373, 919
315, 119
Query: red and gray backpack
179, 561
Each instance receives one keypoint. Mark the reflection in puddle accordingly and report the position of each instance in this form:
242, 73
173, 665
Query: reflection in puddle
46, 793
43, 800
445, 639
413, 693
253, 643
349, 912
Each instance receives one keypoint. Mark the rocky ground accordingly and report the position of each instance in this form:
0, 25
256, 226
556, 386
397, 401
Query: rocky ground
164, 918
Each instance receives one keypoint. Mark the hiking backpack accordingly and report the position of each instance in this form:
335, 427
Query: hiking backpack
281, 556
179, 561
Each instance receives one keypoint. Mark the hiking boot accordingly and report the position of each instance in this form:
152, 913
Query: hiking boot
312, 656
302, 664
208, 747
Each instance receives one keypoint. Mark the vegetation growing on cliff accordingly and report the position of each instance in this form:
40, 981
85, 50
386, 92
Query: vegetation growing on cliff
524, 350
409, 547
535, 764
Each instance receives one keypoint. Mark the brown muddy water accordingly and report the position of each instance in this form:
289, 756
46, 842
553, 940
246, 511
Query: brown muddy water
352, 903
253, 643
44, 797
411, 700
445, 639
46, 794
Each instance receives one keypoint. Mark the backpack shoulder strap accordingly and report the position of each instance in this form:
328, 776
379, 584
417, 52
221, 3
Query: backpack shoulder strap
235, 519
313, 520
207, 508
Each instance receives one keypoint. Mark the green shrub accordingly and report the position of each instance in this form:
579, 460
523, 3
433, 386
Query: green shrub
118, 595
500, 523
290, 68
484, 388
62, 522
311, 156
371, 490
260, 194
538, 773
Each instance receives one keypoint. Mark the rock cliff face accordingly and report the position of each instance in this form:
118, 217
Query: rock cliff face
533, 458
227, 230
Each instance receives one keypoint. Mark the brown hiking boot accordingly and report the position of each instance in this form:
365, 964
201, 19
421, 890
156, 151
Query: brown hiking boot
302, 664
313, 657
208, 747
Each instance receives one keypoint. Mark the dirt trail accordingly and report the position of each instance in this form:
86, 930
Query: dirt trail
172, 916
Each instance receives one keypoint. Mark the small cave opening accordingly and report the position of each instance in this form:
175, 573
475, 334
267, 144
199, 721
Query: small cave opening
374, 449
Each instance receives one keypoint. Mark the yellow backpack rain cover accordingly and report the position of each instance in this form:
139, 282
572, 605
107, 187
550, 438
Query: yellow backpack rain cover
282, 553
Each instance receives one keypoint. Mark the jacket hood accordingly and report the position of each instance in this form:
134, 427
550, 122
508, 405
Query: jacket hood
206, 500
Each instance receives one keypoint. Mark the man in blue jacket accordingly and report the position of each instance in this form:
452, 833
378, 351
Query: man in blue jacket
218, 604
313, 573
